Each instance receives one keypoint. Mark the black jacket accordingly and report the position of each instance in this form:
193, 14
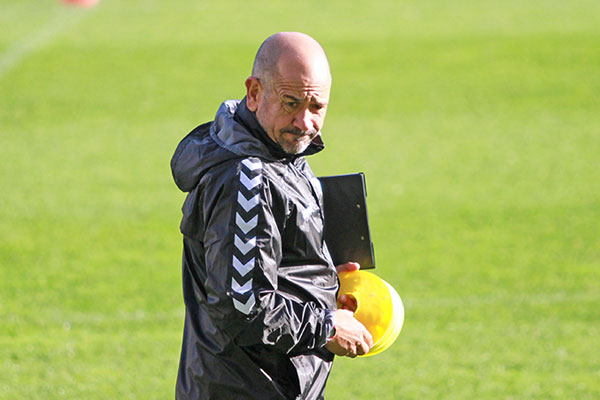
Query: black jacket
258, 282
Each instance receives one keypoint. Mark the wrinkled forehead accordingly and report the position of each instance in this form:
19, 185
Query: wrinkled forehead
303, 90
302, 86
306, 76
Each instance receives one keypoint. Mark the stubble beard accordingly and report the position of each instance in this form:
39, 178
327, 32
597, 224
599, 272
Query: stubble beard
301, 140
299, 145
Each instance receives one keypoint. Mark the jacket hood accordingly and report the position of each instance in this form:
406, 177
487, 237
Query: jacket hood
234, 133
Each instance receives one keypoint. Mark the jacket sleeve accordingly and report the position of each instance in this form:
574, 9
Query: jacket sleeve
243, 218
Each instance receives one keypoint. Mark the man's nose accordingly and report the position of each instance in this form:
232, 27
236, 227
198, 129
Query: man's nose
303, 120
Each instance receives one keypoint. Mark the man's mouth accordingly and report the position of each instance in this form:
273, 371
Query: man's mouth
298, 132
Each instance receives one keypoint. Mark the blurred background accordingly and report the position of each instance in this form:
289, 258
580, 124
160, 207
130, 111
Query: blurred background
477, 124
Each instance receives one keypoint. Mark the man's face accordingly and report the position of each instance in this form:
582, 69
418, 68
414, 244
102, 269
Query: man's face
291, 108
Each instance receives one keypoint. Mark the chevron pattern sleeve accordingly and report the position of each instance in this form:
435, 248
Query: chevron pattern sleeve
245, 231
243, 218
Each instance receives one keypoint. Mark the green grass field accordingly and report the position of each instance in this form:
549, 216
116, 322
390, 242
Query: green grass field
477, 125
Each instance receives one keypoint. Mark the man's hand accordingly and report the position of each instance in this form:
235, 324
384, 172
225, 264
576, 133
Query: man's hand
346, 302
351, 338
349, 266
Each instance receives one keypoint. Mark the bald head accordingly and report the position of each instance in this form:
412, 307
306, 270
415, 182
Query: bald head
289, 89
290, 50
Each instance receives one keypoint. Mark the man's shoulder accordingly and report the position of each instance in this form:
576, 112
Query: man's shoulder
196, 136
253, 172
198, 133
232, 167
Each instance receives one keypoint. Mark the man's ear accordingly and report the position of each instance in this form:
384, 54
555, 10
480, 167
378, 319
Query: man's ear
253, 93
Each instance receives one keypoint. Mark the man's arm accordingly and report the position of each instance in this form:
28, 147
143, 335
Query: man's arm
243, 251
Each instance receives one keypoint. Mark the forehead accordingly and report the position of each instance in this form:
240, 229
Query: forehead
302, 80
302, 89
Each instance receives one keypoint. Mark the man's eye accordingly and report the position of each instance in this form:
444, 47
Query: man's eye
292, 104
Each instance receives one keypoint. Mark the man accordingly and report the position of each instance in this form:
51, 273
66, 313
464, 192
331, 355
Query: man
258, 281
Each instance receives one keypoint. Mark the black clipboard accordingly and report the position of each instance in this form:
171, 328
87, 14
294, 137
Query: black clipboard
347, 232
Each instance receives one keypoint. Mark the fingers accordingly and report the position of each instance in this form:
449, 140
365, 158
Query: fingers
363, 346
368, 339
351, 338
349, 266
358, 349
362, 349
347, 303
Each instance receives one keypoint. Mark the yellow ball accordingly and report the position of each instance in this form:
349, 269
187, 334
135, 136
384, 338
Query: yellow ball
378, 307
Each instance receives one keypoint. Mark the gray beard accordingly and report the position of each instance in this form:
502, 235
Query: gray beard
294, 148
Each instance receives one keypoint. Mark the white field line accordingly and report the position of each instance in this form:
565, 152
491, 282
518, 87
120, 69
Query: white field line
35, 41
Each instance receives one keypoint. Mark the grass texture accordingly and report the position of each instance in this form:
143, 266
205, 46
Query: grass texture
477, 125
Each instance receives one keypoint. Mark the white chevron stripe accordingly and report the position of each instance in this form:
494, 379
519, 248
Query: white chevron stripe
243, 269
252, 166
248, 204
246, 226
239, 288
244, 247
245, 307
250, 183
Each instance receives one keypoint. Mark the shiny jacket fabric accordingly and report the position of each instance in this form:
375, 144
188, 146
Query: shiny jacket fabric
258, 281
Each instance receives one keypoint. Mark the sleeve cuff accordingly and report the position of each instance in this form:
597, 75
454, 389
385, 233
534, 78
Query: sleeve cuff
328, 326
